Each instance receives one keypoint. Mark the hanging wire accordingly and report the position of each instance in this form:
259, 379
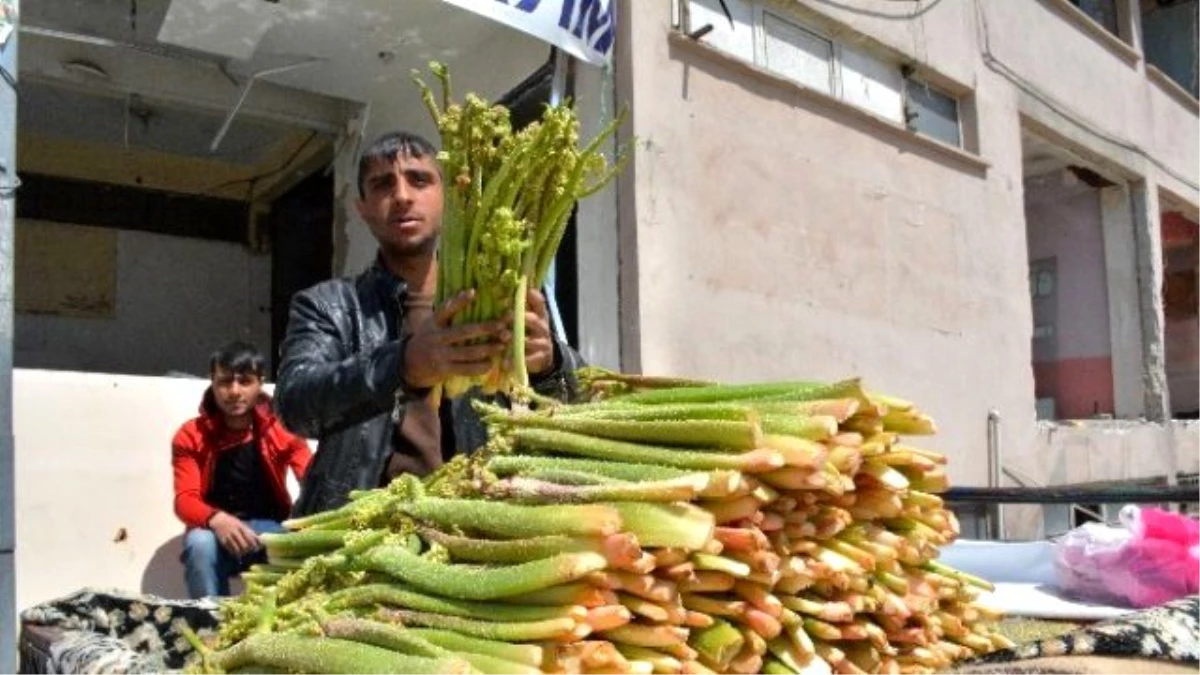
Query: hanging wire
1004, 70
877, 14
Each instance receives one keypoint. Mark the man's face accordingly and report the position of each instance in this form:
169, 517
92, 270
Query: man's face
235, 393
402, 204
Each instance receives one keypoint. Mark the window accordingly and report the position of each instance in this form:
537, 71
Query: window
797, 54
872, 83
1103, 12
868, 79
931, 112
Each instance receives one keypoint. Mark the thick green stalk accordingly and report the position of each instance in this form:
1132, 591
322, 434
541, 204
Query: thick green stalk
563, 477
397, 595
326, 655
511, 520
526, 655
530, 490
578, 593
559, 214
510, 465
547, 440
725, 393
344, 512
386, 635
520, 372
718, 563
302, 544
958, 575
479, 583
491, 665
515, 631
816, 428
509, 551
589, 374
678, 525
734, 412
722, 434
718, 643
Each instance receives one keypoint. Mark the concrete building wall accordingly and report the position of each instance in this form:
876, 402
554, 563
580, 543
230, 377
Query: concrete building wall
175, 300
780, 235
769, 231
1073, 363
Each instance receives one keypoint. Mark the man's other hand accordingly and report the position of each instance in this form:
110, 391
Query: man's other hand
539, 345
438, 351
233, 535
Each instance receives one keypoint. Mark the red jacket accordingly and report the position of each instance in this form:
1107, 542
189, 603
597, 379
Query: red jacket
197, 444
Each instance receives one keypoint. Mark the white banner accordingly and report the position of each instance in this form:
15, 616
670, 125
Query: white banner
584, 29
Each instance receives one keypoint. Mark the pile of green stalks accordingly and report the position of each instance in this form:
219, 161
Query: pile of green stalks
509, 198
664, 526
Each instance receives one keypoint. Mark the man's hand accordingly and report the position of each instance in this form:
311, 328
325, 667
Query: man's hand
438, 351
539, 345
233, 535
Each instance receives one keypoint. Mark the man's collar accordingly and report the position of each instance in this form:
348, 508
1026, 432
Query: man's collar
385, 280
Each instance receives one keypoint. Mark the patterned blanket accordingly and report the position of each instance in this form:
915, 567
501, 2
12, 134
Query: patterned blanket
96, 631
114, 632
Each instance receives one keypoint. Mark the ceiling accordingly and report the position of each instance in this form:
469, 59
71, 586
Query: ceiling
351, 49
360, 52
1040, 157
134, 122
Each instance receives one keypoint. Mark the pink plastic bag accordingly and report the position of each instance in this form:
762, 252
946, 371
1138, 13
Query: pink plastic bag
1155, 558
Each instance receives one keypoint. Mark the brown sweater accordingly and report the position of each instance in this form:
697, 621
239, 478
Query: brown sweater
417, 442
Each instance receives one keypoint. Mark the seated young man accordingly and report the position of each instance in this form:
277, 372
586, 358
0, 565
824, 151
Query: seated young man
230, 468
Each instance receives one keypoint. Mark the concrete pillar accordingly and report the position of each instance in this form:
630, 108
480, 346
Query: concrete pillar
598, 258
8, 183
626, 186
1148, 237
1124, 319
1129, 26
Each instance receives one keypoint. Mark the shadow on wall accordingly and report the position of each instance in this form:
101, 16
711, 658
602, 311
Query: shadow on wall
163, 575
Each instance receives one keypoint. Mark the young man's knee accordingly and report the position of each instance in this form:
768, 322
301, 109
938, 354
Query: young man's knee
201, 543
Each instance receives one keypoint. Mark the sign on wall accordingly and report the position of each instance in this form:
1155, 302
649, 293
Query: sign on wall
584, 29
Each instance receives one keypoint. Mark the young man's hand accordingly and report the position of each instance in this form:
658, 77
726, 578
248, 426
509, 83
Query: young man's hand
539, 344
233, 535
437, 351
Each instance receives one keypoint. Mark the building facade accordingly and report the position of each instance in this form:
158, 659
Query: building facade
986, 206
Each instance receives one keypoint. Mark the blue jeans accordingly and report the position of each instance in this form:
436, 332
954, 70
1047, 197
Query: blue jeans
208, 566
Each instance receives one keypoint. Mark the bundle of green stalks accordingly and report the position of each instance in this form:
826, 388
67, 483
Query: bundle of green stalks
666, 526
509, 197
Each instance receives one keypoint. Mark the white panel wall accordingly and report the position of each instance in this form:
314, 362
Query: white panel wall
177, 300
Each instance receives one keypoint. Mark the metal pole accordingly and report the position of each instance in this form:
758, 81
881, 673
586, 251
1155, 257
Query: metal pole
8, 186
561, 85
996, 514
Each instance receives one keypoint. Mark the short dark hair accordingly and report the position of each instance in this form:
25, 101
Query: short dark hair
238, 357
389, 146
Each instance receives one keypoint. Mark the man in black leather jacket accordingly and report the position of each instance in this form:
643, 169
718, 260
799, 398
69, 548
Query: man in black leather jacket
361, 354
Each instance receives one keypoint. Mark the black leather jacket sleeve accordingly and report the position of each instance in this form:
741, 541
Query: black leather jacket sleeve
320, 386
559, 382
